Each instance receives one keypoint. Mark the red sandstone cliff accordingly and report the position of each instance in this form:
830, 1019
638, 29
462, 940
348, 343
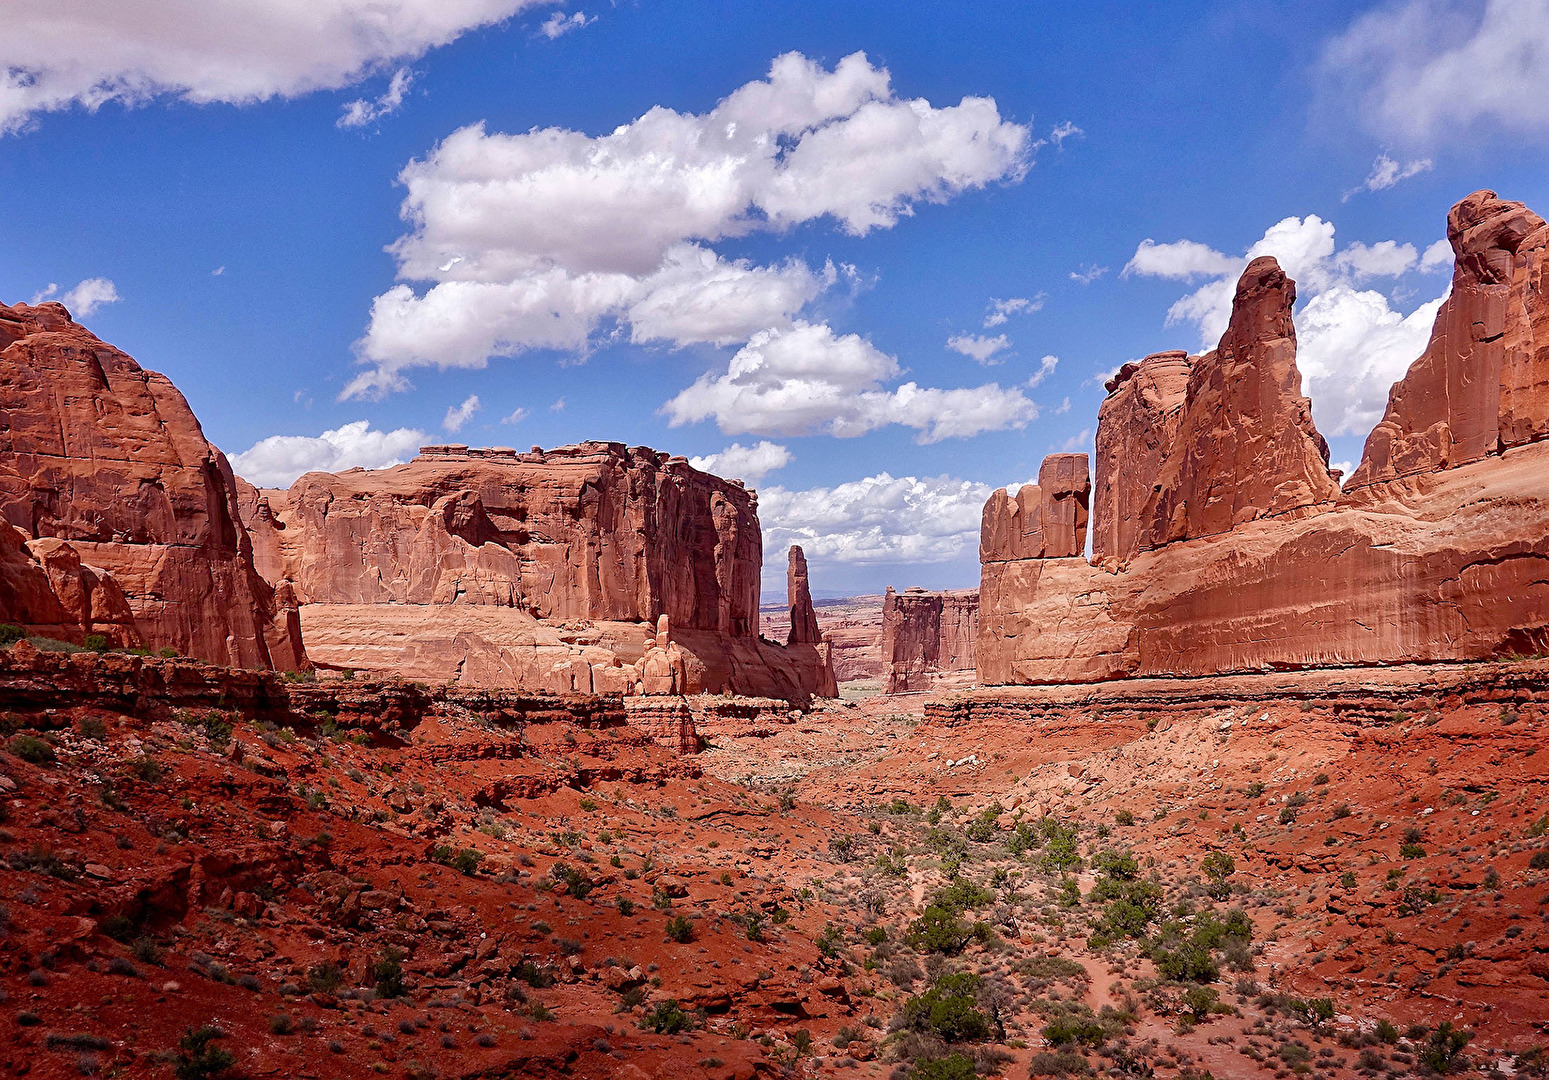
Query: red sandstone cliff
128, 513
1245, 447
804, 620
1482, 385
1046, 520
545, 570
1246, 557
1136, 428
927, 635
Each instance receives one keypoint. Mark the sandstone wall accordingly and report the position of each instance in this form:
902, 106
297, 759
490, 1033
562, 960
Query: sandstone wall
1245, 556
543, 570
123, 507
926, 635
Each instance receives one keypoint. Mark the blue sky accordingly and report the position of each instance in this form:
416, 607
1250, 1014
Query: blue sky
785, 256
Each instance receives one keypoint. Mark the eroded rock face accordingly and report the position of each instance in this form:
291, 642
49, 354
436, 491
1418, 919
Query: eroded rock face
926, 635
1046, 520
1482, 385
1136, 428
1246, 556
804, 620
1246, 446
543, 570
594, 531
129, 512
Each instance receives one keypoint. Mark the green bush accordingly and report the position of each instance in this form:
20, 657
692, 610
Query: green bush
1123, 817
951, 1067
679, 929
10, 634
1118, 865
97, 643
197, 1059
938, 929
387, 974
32, 749
948, 1009
669, 1018
1443, 1049
1539, 861
1074, 1026
962, 895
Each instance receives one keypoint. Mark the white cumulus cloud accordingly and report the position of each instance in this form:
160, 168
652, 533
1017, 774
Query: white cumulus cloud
877, 520
1424, 71
458, 415
981, 348
808, 380
749, 463
538, 239
84, 299
278, 460
89, 53
1352, 345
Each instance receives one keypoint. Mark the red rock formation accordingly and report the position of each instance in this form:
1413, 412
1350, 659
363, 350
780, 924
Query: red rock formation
1246, 446
804, 621
105, 461
545, 570
926, 635
1046, 520
1482, 385
1136, 427
1439, 550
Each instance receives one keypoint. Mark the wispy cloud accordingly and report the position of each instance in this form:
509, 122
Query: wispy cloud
1088, 274
559, 24
363, 111
458, 415
979, 348
1386, 172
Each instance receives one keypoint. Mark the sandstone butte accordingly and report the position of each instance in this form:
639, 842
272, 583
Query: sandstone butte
544, 570
1222, 541
120, 517
927, 637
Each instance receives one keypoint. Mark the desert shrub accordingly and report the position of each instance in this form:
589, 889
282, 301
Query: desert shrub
96, 643
951, 1067
625, 905
1118, 865
281, 1024
669, 1018
1255, 789
1443, 1048
830, 940
842, 847
325, 978
10, 634
1074, 1025
1218, 867
1061, 1062
938, 930
949, 1009
1539, 861
31, 749
962, 895
387, 974
1131, 906
1124, 818
1060, 845
576, 883
198, 1059
899, 806
680, 929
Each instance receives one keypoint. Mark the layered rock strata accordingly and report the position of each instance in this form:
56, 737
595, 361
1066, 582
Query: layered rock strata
542, 570
927, 636
804, 620
1244, 555
117, 507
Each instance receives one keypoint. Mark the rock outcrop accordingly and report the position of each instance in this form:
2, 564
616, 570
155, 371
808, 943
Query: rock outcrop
804, 620
128, 513
927, 636
1046, 520
1482, 385
1136, 427
1246, 556
1246, 446
542, 570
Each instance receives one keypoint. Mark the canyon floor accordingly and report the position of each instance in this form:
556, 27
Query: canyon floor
1311, 874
